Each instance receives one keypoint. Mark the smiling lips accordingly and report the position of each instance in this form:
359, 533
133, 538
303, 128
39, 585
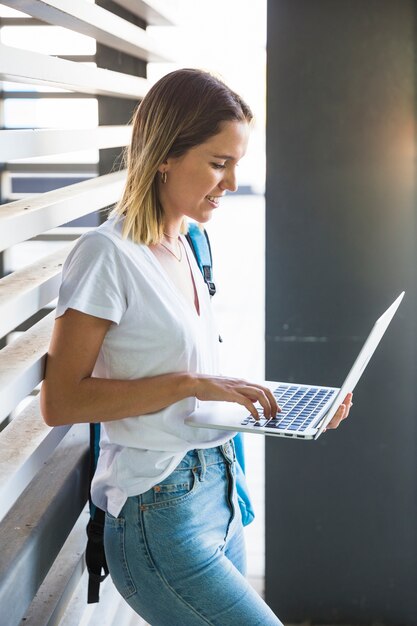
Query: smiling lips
214, 200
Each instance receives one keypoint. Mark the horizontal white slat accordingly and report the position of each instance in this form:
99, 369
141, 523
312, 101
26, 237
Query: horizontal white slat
64, 233
94, 21
28, 290
27, 218
20, 144
154, 12
53, 169
25, 444
25, 66
22, 364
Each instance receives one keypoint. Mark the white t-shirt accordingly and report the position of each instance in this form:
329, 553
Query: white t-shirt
155, 331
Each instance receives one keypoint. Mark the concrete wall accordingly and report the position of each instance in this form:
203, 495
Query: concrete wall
341, 512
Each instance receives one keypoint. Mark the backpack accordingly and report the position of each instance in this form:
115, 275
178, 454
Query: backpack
95, 556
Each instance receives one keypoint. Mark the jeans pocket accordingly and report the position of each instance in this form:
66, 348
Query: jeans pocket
176, 488
115, 549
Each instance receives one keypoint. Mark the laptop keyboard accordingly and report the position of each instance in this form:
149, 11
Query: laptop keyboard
300, 407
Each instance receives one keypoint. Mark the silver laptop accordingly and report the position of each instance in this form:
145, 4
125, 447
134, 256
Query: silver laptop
306, 409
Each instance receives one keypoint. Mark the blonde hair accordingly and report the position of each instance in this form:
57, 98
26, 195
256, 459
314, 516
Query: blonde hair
182, 110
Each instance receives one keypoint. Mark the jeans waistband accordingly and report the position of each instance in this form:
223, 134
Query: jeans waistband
203, 457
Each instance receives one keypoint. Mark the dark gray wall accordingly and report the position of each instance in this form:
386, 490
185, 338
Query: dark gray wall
341, 513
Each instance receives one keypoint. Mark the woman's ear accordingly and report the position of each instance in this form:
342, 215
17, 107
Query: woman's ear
164, 166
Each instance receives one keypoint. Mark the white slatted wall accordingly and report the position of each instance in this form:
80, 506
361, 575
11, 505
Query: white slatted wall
43, 470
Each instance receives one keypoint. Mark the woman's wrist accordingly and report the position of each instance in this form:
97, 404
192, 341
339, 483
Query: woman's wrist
191, 384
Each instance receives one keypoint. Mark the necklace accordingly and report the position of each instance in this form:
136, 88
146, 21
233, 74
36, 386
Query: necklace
170, 236
173, 253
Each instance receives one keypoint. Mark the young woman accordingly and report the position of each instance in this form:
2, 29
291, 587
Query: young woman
135, 347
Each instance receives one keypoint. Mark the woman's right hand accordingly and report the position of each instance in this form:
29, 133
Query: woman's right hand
237, 390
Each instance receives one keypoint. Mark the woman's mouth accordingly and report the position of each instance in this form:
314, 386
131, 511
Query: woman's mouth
214, 200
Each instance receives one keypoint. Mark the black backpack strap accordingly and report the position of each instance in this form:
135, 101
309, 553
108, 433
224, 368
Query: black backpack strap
95, 556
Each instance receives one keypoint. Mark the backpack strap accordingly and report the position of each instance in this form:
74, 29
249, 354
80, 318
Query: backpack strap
95, 556
200, 245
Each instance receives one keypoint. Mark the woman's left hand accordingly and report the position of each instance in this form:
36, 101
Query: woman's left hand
341, 413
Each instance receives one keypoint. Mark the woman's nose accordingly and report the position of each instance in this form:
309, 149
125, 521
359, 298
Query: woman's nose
230, 181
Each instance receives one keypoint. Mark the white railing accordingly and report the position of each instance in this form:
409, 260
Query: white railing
23, 66
27, 218
89, 19
43, 470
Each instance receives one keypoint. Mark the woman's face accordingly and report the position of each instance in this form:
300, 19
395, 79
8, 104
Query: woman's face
197, 180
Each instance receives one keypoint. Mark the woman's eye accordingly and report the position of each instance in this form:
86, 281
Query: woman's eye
218, 166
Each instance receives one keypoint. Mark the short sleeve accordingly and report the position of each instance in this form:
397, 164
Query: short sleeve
93, 280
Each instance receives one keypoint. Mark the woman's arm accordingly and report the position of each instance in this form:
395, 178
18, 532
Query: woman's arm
69, 395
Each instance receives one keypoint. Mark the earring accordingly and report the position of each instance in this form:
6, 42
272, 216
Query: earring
164, 176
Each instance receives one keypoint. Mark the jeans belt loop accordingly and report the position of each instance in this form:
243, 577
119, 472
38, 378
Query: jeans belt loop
202, 458
228, 452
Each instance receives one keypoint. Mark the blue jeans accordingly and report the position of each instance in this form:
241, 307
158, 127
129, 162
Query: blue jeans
176, 552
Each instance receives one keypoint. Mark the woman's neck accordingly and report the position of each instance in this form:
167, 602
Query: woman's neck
171, 229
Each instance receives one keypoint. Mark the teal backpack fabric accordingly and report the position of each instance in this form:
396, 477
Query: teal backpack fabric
95, 556
245, 504
200, 245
